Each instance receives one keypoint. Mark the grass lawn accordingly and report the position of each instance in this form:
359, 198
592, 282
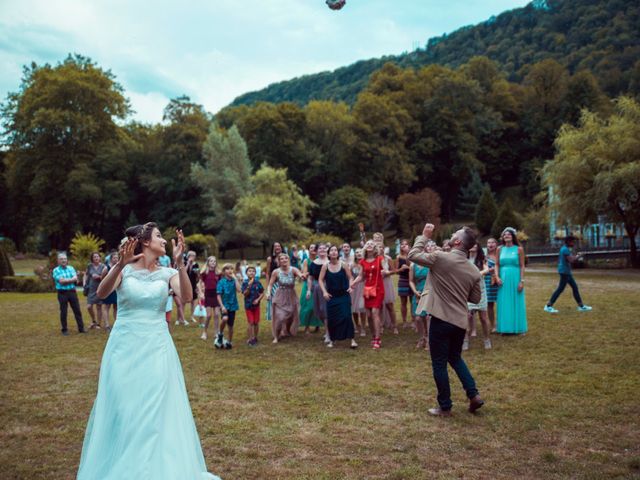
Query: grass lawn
561, 402
26, 266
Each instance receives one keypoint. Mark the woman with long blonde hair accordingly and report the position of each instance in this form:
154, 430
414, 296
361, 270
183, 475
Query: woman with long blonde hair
371, 274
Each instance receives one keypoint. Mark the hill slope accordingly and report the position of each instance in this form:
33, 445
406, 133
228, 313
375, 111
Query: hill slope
602, 36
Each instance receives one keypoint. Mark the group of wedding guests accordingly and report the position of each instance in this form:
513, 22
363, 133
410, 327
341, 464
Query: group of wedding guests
345, 291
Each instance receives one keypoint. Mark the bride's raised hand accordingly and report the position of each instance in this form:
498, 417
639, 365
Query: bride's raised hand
178, 247
127, 254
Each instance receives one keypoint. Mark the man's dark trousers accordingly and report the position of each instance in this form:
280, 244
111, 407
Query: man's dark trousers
445, 345
65, 298
564, 279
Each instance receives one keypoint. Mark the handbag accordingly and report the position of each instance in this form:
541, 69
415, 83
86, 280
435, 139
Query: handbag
85, 290
371, 291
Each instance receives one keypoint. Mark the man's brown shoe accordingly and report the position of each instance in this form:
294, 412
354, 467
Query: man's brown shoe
438, 412
475, 403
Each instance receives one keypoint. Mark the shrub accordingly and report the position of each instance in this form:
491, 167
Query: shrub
202, 244
82, 246
42, 272
536, 224
26, 285
506, 218
381, 210
8, 246
343, 209
415, 209
486, 210
6, 269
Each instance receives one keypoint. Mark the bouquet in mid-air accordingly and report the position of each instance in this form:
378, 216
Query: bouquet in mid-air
336, 4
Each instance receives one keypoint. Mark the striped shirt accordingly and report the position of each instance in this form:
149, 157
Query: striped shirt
64, 272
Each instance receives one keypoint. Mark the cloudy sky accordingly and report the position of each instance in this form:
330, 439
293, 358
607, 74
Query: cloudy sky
215, 50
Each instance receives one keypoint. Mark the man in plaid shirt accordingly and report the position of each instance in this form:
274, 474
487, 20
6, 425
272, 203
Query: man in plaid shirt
65, 278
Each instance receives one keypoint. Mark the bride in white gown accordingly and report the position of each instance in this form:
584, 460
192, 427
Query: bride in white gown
141, 426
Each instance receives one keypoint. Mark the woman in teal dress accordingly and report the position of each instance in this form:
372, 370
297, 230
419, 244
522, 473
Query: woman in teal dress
141, 426
509, 271
307, 317
417, 280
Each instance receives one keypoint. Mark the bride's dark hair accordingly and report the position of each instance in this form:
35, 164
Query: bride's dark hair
141, 233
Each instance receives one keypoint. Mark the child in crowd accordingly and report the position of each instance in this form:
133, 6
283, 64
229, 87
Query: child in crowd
253, 292
226, 290
200, 312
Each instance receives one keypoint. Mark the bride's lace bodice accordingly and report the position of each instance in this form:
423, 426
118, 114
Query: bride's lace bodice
142, 295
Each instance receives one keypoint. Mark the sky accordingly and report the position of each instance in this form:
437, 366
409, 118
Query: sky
215, 50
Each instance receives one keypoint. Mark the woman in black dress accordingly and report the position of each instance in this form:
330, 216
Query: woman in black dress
334, 281
402, 267
313, 287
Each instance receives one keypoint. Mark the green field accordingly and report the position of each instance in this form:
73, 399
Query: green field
561, 402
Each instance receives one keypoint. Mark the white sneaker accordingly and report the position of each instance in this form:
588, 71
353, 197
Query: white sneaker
487, 344
330, 344
549, 309
203, 336
327, 339
177, 322
465, 345
585, 308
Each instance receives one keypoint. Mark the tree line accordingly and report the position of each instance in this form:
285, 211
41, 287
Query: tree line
433, 138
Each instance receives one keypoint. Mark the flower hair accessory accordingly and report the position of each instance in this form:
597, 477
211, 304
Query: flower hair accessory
511, 230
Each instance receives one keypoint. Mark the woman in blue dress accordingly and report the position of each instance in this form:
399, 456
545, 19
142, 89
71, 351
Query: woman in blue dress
307, 317
141, 425
335, 277
490, 281
512, 314
417, 280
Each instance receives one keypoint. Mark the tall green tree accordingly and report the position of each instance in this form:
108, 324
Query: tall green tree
379, 158
276, 210
343, 209
174, 199
223, 180
506, 217
544, 104
486, 210
414, 209
54, 127
469, 195
447, 151
583, 91
275, 135
328, 140
596, 170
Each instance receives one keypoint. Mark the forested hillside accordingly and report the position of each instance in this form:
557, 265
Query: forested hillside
442, 128
601, 36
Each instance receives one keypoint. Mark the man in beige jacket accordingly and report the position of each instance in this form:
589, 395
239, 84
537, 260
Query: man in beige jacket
451, 283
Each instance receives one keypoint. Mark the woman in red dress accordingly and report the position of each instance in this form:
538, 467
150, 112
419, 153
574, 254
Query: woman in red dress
371, 274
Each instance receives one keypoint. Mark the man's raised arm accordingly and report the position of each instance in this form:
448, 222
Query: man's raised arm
417, 253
